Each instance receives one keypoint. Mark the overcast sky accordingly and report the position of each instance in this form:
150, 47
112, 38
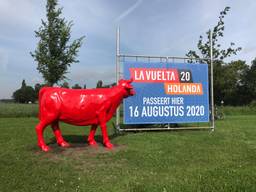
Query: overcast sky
148, 27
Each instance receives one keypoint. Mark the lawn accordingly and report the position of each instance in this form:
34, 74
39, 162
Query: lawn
18, 110
148, 161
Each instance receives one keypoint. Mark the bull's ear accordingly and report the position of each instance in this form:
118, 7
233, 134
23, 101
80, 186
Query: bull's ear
120, 81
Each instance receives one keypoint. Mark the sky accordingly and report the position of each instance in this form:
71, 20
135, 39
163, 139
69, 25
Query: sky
147, 27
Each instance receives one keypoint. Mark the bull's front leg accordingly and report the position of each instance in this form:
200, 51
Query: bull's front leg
90, 139
103, 126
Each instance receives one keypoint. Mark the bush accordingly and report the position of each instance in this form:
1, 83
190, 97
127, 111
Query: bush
253, 104
25, 94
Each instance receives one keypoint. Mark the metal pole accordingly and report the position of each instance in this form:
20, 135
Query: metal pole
117, 72
168, 126
212, 93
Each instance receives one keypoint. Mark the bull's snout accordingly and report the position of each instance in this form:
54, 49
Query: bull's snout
132, 92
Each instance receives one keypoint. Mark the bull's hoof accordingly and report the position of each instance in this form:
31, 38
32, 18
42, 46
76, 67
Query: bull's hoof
108, 145
92, 143
45, 148
64, 144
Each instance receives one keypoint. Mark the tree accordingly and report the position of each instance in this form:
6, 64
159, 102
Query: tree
251, 75
99, 84
37, 88
219, 54
25, 94
76, 86
23, 84
54, 54
217, 32
232, 84
65, 84
248, 83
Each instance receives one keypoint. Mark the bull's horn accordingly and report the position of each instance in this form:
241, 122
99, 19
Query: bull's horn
130, 80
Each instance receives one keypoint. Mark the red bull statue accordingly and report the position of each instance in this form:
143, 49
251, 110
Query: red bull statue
80, 107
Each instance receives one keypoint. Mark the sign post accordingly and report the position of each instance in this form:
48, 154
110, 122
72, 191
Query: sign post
171, 90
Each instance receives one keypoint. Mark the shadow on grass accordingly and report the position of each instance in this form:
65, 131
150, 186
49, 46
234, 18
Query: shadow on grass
81, 140
79, 147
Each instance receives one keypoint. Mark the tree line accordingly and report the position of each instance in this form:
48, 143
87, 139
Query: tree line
29, 94
234, 84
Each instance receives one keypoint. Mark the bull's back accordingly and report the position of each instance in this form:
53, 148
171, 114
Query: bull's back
78, 107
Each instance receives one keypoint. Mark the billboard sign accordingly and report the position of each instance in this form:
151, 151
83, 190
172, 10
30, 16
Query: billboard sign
167, 93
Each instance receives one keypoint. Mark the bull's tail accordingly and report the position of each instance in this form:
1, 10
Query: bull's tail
41, 92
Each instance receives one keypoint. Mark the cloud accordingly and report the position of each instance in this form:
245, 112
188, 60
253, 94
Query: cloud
15, 12
91, 76
251, 49
4, 58
128, 11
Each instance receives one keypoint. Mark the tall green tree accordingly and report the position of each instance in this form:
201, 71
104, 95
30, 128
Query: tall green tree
54, 52
219, 53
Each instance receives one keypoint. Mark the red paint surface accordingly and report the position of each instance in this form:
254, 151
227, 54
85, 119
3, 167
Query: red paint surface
79, 107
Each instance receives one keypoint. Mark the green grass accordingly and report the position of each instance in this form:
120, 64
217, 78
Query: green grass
149, 161
18, 110
31, 110
245, 110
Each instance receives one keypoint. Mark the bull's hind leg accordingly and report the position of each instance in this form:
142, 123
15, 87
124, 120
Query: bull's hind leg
90, 139
39, 131
60, 140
